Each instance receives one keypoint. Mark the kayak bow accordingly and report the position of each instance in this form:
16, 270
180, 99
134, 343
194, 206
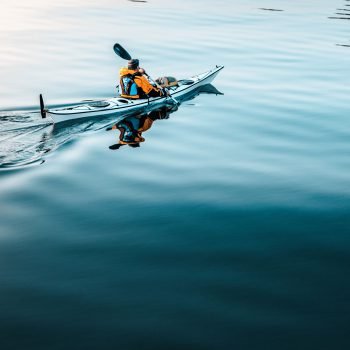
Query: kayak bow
119, 104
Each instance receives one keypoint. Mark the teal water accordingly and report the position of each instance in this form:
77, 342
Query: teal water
227, 229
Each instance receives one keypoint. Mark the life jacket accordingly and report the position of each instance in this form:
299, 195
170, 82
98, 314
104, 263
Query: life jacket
129, 88
134, 85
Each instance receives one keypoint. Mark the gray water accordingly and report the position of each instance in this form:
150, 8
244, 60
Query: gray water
228, 228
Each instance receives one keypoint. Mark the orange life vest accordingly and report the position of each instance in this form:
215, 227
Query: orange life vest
133, 84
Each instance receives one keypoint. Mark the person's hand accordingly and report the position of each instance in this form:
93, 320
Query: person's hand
165, 92
142, 71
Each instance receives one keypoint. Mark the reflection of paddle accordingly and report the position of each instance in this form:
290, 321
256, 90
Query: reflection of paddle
115, 146
121, 52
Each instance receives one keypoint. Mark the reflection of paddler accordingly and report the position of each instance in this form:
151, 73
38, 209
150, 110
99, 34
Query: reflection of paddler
131, 128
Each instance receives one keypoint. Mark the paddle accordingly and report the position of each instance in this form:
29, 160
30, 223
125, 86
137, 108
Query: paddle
121, 52
42, 107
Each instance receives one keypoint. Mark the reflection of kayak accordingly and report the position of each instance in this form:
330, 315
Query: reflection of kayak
122, 105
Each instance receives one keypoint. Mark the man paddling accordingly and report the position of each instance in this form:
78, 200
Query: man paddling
134, 83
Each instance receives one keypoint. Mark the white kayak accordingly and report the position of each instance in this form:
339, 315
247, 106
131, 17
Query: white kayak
117, 105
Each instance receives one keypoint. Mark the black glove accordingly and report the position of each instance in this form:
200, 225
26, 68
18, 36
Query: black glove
165, 92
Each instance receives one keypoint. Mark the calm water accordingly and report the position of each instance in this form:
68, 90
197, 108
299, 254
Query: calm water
227, 229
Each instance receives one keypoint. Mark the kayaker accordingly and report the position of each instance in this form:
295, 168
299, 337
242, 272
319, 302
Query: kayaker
134, 83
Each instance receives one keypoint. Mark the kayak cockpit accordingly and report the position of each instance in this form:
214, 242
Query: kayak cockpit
99, 104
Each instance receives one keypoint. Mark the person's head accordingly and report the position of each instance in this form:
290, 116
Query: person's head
133, 63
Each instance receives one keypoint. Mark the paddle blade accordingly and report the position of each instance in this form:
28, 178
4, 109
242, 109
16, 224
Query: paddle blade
121, 52
42, 107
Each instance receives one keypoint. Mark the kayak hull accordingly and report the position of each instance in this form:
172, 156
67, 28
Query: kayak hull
119, 105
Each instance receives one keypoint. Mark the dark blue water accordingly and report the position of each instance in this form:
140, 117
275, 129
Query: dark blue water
228, 228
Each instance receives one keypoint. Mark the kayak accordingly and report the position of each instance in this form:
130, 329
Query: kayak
117, 105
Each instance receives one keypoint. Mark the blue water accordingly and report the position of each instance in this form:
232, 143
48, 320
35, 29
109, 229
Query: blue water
228, 228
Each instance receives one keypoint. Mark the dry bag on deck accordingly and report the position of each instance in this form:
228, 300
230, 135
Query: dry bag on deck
167, 81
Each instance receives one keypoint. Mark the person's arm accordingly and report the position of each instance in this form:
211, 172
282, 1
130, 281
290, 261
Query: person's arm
147, 87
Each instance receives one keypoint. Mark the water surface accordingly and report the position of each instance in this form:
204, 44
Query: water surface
227, 228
